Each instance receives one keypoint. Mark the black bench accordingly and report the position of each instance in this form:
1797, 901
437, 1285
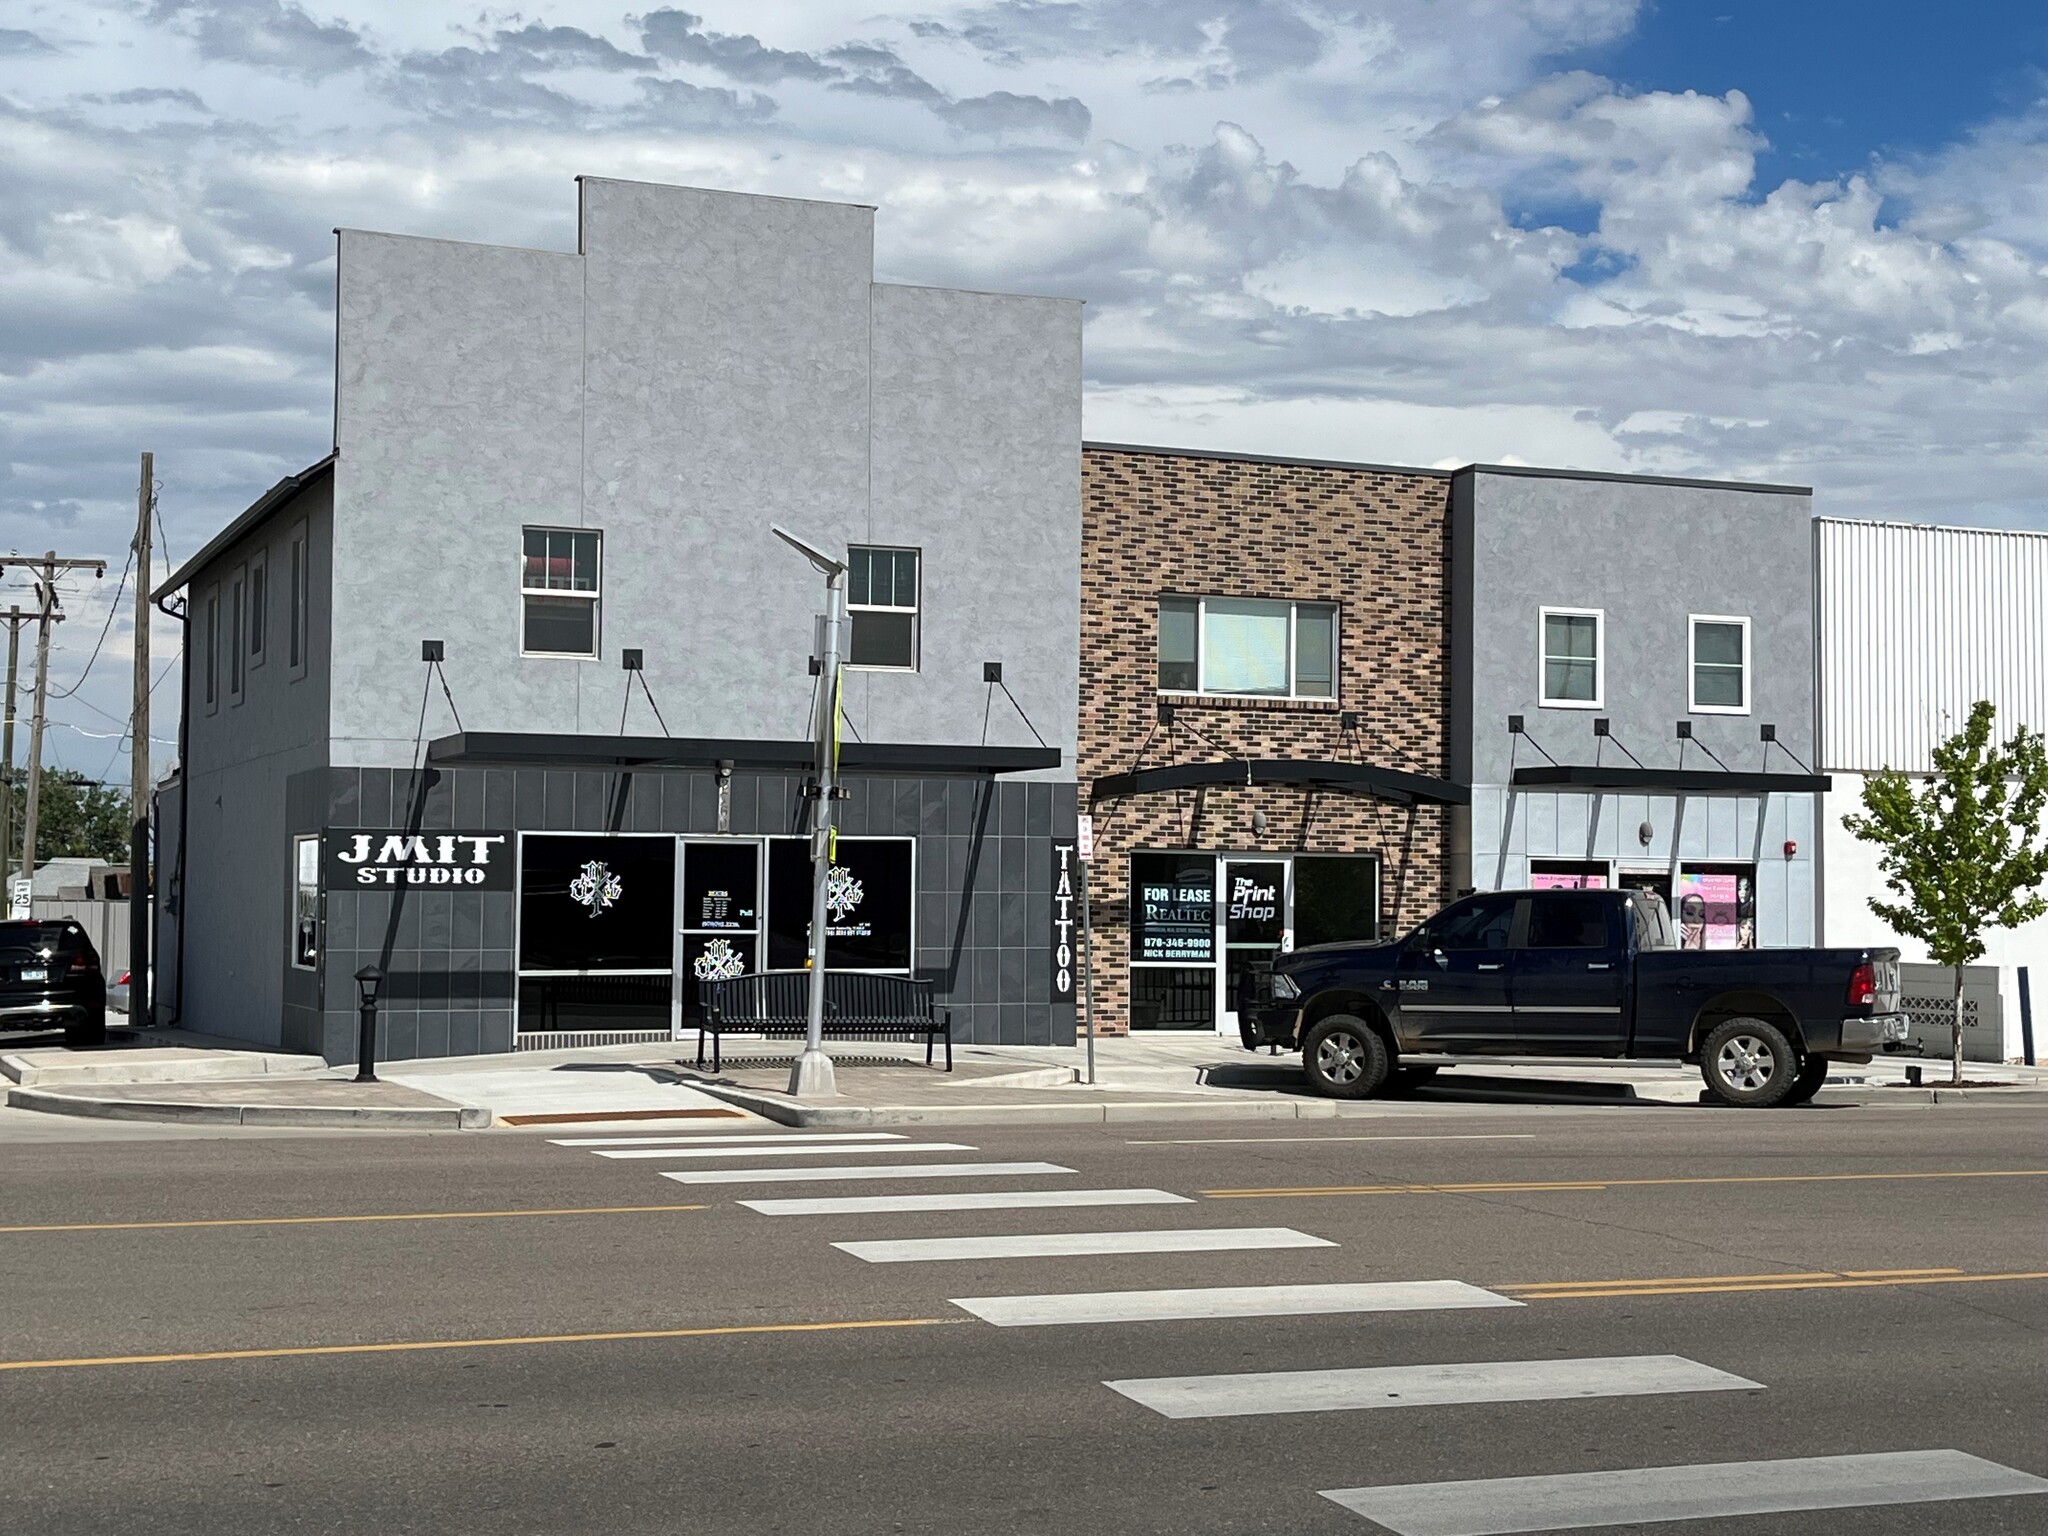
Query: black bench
776, 1005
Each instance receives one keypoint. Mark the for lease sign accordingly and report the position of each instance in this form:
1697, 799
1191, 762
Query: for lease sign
474, 861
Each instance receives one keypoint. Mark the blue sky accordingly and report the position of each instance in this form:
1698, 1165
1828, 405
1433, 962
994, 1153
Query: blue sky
1836, 81
1804, 242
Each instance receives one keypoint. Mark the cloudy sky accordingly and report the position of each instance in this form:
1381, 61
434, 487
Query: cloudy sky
1800, 241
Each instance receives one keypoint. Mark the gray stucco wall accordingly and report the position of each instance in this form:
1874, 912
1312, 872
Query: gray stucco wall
977, 460
707, 365
1648, 555
236, 891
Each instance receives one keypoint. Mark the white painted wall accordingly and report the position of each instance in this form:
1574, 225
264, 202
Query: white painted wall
1852, 878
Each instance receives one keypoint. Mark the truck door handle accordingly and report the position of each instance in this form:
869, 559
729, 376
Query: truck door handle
1492, 966
1599, 965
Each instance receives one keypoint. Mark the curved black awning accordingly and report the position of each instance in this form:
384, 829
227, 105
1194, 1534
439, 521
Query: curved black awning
1671, 781
1351, 778
540, 749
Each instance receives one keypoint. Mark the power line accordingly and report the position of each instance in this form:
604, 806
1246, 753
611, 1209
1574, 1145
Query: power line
113, 608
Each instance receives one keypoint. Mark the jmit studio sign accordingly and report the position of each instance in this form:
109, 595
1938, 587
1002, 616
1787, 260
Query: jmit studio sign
470, 861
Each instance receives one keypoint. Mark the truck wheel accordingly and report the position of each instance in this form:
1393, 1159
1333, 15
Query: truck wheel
1749, 1062
1345, 1057
1813, 1072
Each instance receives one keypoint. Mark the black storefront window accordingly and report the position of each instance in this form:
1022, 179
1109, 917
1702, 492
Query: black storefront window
593, 911
868, 927
1173, 907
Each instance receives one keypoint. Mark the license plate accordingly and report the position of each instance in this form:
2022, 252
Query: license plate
35, 973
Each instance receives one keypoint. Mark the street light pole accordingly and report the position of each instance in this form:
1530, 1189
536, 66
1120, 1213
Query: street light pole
812, 1076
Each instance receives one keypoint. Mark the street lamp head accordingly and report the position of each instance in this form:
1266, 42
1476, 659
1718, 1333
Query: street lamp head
368, 979
830, 568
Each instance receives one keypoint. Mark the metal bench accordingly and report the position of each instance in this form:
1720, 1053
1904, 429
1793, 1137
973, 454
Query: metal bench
776, 1005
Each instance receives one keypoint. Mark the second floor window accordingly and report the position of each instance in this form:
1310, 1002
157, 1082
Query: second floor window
882, 599
1250, 647
1720, 666
559, 592
1572, 675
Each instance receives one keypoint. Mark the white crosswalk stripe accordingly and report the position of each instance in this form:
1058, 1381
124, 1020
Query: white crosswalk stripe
756, 1149
1410, 1386
730, 1138
975, 1200
1069, 1244
1227, 1301
1509, 1506
900, 1171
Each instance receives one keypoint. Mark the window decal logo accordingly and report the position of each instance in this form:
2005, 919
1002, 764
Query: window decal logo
842, 893
596, 888
719, 962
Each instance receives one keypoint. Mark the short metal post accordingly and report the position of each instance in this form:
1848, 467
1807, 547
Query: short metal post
2026, 1020
367, 980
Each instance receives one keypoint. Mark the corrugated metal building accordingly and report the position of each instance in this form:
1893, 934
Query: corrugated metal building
1916, 625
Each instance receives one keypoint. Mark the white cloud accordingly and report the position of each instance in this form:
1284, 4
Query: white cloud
1395, 234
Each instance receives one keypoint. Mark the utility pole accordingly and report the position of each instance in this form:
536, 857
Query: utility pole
15, 619
47, 617
138, 761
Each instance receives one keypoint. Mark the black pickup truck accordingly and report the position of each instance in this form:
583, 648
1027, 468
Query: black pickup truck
1575, 973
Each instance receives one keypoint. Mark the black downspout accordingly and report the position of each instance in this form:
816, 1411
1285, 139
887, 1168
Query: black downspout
184, 619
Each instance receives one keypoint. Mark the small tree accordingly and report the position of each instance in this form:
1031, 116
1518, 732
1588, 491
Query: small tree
1963, 852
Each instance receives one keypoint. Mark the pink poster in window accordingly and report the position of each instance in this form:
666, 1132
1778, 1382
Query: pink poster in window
1716, 911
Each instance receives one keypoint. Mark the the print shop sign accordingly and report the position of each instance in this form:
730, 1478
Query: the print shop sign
1177, 914
470, 861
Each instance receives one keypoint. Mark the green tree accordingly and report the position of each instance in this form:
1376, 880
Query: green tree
1963, 851
75, 818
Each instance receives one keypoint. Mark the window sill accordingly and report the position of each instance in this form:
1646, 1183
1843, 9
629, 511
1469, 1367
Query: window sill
849, 666
1571, 704
1716, 709
1250, 701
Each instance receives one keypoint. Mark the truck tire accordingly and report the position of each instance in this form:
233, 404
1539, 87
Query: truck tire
1813, 1072
1345, 1058
1750, 1063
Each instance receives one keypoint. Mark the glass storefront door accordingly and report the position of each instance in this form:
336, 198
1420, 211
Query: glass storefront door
1254, 929
720, 916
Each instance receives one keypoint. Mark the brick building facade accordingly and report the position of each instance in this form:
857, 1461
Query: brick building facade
1344, 828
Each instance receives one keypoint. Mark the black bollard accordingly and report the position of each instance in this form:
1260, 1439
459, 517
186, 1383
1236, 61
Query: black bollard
367, 981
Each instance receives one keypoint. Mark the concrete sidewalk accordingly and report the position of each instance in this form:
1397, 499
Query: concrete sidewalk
169, 1076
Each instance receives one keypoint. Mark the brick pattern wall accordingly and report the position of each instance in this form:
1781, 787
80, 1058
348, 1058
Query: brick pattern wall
1373, 541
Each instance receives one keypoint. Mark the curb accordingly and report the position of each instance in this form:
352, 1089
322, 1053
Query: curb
112, 1069
788, 1112
173, 1112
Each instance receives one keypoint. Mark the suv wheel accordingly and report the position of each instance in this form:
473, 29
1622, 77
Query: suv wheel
1345, 1057
86, 1028
1749, 1062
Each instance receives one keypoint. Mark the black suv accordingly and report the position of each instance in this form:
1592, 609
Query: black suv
50, 975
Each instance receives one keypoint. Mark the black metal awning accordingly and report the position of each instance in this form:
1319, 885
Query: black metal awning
1671, 781
1352, 778
543, 749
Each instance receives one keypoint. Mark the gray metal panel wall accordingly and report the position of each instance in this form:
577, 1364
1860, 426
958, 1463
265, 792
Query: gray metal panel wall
977, 462
1647, 555
1919, 623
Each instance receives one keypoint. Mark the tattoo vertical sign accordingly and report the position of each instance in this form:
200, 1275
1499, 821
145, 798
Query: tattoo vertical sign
1065, 914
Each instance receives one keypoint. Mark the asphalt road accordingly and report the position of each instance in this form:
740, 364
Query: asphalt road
546, 1340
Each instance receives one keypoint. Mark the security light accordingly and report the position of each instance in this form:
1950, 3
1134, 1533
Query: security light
828, 566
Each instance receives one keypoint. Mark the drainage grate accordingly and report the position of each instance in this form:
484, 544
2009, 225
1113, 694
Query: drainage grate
576, 1040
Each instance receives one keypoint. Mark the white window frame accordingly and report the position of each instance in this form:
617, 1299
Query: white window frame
1294, 605
594, 594
1693, 621
1599, 618
915, 610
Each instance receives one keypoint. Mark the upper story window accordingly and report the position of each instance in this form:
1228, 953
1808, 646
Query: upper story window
259, 608
882, 595
1719, 665
559, 592
238, 602
212, 642
1248, 647
1574, 658
298, 605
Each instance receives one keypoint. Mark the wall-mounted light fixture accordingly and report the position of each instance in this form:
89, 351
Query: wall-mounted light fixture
1258, 821
1646, 834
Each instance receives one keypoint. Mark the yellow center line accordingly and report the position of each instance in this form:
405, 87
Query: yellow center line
1881, 1274
1682, 1289
409, 1345
1582, 1285
1307, 1191
314, 1221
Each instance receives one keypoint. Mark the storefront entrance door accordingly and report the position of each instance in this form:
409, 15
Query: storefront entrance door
1254, 914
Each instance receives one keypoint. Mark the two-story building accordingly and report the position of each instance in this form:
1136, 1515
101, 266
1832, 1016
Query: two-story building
557, 472
1632, 697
